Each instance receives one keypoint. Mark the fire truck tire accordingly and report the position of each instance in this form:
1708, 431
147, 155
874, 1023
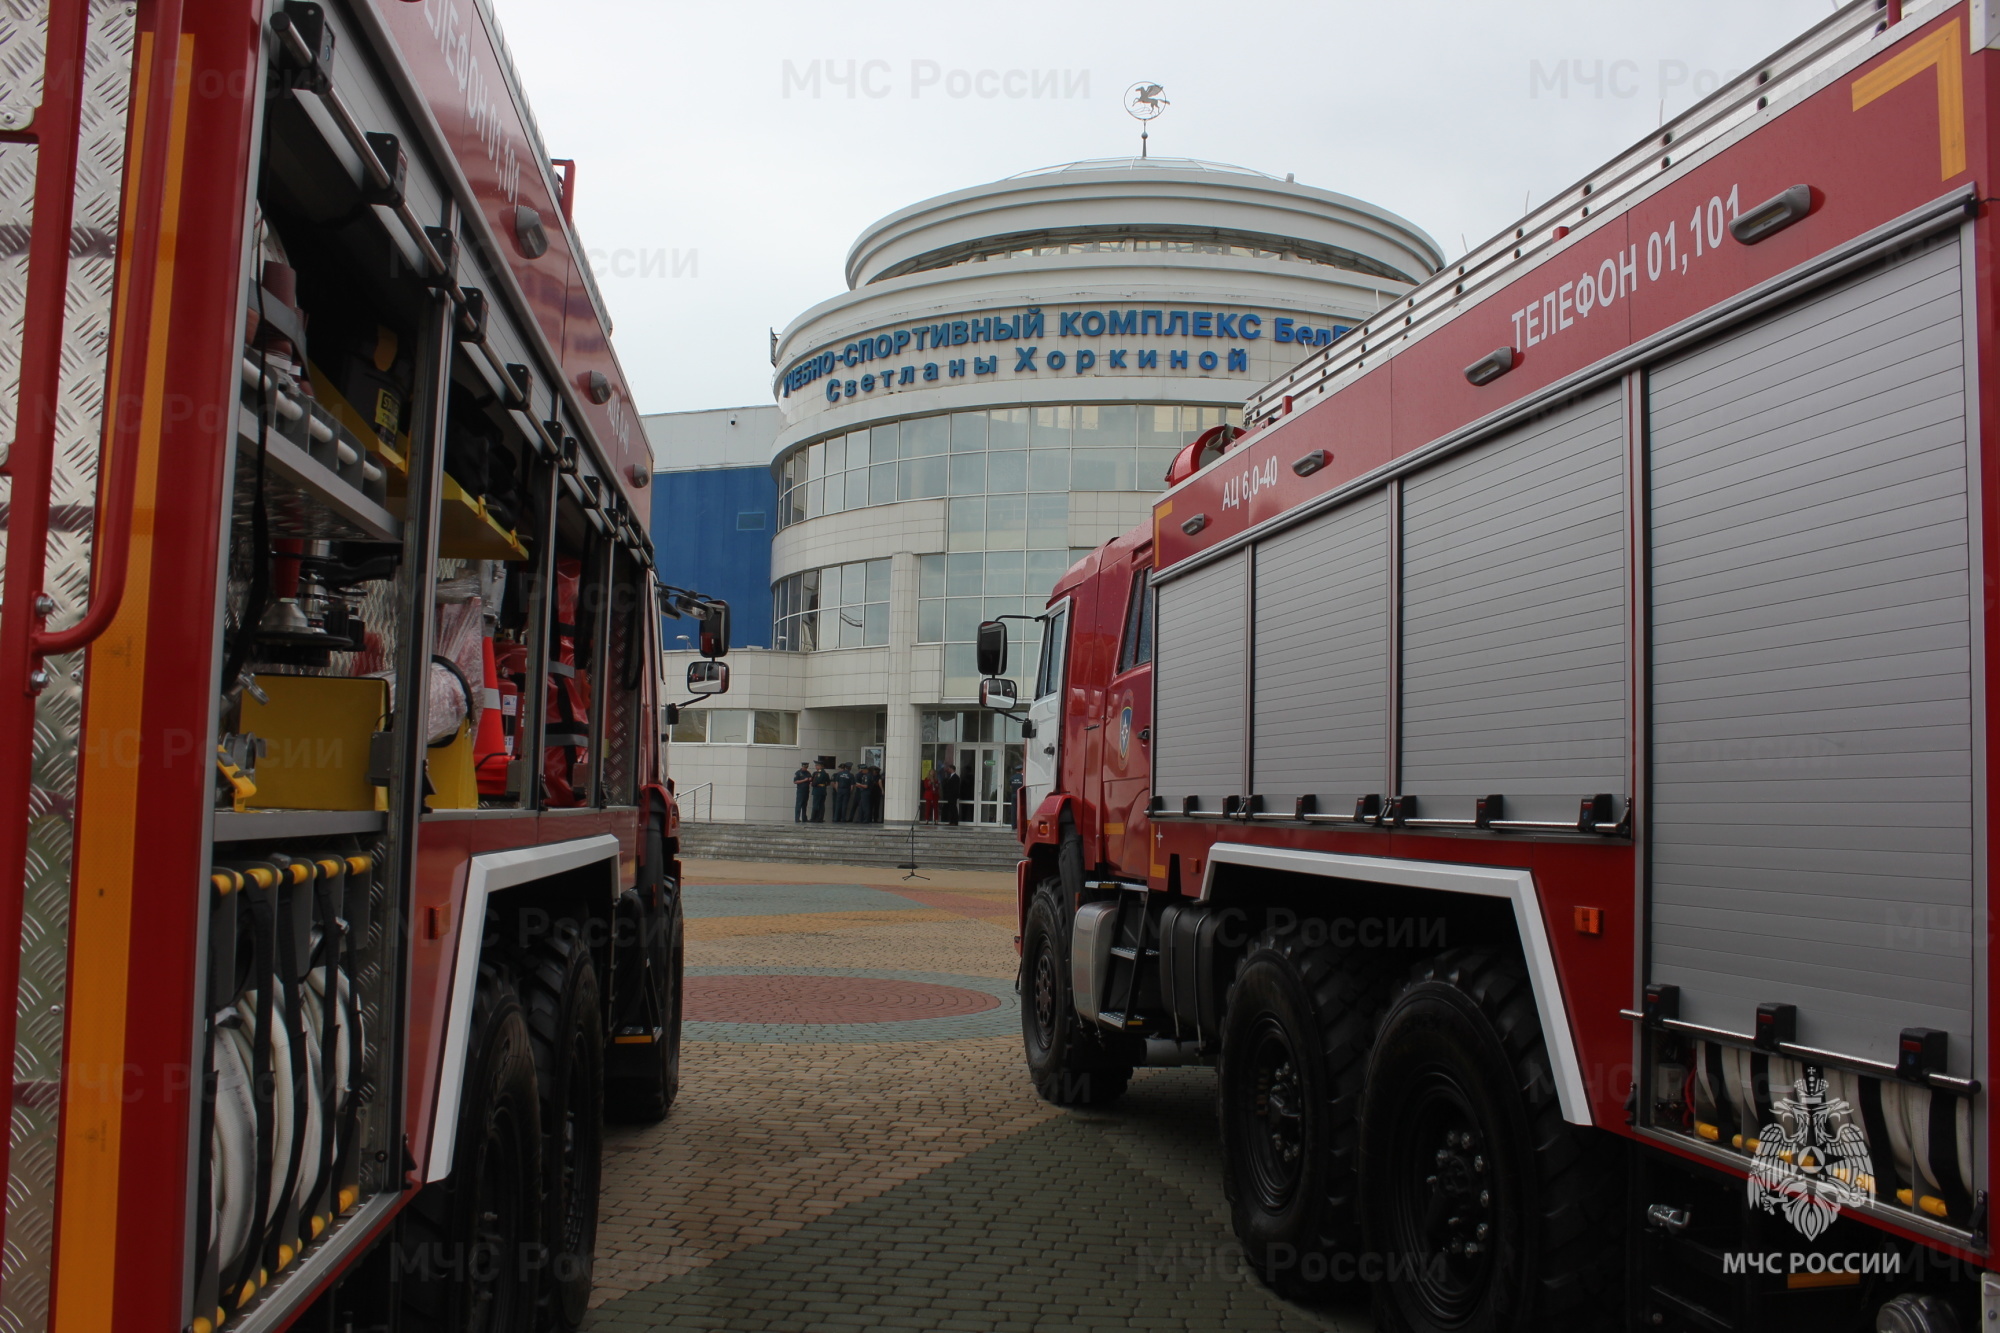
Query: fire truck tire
470, 1243
1067, 1061
646, 1098
1487, 1210
1297, 1029
566, 1030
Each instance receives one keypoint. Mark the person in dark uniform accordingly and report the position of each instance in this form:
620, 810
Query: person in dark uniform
862, 809
843, 794
875, 785
820, 782
802, 782
948, 787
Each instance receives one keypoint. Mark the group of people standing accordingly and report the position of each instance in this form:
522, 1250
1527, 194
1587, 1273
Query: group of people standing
854, 792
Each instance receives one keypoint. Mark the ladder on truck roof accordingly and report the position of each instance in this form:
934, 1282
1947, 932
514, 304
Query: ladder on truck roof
1731, 110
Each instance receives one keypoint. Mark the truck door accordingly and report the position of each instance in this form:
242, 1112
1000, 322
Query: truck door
1045, 711
1128, 735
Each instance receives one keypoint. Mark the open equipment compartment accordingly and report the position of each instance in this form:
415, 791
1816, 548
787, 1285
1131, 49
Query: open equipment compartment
335, 573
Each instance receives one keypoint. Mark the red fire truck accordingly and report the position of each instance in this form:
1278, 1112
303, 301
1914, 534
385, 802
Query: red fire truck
1541, 763
340, 891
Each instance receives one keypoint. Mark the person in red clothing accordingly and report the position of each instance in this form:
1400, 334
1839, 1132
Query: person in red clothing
930, 799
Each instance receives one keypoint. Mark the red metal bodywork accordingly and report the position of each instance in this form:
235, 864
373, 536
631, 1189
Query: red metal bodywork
1869, 159
146, 771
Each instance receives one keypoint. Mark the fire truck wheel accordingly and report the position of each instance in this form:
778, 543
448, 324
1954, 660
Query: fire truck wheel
470, 1243
1067, 1062
1295, 1038
566, 1030
647, 1097
1486, 1210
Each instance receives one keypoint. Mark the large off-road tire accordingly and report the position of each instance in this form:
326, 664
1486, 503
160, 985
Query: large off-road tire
566, 1031
470, 1245
1069, 1063
645, 1091
1488, 1212
1299, 1022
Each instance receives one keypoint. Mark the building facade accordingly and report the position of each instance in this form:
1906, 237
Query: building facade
999, 390
714, 510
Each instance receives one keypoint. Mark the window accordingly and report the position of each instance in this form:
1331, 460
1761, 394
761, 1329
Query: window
736, 726
1049, 678
841, 606
994, 455
959, 589
692, 727
750, 520
1137, 649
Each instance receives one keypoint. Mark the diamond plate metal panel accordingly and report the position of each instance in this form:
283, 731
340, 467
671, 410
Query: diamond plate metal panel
24, 1268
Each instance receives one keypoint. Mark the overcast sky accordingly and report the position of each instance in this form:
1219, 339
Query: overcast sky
729, 153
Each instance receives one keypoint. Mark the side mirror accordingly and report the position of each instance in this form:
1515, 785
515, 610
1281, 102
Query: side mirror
673, 714
992, 649
996, 692
715, 634
708, 678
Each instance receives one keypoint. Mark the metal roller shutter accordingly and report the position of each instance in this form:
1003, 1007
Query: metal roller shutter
1322, 661
1198, 665
1514, 640
1811, 812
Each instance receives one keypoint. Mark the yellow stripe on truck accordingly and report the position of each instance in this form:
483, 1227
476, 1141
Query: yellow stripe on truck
108, 800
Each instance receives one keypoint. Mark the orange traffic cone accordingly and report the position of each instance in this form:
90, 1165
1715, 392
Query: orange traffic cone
489, 748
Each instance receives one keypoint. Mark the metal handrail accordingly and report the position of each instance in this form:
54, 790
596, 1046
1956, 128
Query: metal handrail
688, 802
25, 642
1624, 178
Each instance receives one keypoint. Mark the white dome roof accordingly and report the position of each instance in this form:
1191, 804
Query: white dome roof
1143, 164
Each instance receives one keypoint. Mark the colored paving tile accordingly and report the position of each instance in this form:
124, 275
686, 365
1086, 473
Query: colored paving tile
994, 1241
706, 900
815, 923
793, 998
841, 1157
997, 1010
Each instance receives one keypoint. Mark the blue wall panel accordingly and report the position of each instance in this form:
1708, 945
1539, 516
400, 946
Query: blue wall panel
712, 533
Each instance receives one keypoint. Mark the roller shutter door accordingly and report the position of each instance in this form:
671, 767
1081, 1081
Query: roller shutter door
1515, 632
1811, 830
1198, 669
1322, 663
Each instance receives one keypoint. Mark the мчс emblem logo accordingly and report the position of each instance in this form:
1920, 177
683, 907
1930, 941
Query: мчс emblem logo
1125, 731
1812, 1160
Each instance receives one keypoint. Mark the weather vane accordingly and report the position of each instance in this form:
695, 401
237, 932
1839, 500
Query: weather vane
1142, 103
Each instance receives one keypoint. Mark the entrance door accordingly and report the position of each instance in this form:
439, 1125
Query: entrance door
982, 771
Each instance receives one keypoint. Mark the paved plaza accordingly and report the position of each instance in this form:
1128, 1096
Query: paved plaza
856, 1144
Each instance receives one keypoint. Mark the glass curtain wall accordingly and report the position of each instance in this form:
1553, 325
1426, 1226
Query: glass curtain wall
841, 606
1008, 452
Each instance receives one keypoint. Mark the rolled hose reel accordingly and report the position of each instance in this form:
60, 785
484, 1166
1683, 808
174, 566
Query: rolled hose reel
300, 1123
1932, 1161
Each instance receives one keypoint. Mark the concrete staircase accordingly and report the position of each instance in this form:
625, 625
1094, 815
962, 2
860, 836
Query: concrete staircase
941, 847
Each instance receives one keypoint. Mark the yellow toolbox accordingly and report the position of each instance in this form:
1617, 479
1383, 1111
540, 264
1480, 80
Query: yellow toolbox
316, 731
